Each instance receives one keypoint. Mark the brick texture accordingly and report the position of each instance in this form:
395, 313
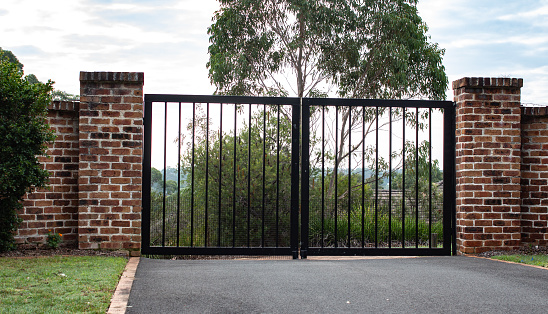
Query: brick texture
534, 176
94, 198
488, 171
110, 142
95, 164
55, 208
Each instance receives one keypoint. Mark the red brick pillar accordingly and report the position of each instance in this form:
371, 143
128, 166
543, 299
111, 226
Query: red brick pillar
111, 112
488, 160
534, 176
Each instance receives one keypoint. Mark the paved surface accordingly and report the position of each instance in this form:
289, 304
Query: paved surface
411, 285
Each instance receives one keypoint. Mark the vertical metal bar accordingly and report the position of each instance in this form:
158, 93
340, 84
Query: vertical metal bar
249, 180
430, 178
164, 187
448, 176
295, 143
179, 178
192, 175
147, 156
220, 173
336, 174
278, 177
305, 177
363, 176
377, 177
234, 178
349, 170
206, 227
390, 179
264, 175
403, 181
453, 182
323, 175
417, 179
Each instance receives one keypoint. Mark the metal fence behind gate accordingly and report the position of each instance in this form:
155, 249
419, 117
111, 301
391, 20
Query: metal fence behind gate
248, 176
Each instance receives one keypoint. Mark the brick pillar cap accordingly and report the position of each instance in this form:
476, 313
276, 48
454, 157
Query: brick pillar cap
112, 76
535, 111
488, 82
64, 105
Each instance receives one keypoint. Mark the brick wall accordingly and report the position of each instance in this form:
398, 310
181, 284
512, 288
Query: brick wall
534, 176
94, 198
488, 146
95, 165
56, 208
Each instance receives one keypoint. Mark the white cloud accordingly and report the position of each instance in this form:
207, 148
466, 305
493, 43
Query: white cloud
57, 39
493, 38
537, 16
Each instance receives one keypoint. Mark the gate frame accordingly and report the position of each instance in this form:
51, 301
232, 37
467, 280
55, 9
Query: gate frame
449, 176
293, 249
300, 188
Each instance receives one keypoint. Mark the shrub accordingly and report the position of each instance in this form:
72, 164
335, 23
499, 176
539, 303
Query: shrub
364, 226
53, 240
24, 134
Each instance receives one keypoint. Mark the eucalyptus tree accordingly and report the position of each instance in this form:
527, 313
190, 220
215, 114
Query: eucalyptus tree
311, 48
366, 49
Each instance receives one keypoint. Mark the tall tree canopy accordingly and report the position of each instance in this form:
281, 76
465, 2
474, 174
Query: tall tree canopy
6, 55
362, 48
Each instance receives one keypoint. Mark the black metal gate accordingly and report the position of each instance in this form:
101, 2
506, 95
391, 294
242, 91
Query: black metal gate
285, 176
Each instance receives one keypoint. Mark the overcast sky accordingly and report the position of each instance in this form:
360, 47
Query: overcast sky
167, 40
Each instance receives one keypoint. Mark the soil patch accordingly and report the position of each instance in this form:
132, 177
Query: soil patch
34, 251
526, 250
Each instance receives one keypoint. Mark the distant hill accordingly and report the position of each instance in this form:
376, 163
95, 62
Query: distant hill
171, 175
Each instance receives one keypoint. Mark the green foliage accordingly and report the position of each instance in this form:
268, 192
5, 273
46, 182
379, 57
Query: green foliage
63, 96
231, 186
424, 186
171, 187
156, 176
367, 49
157, 180
360, 49
24, 134
8, 56
371, 227
53, 239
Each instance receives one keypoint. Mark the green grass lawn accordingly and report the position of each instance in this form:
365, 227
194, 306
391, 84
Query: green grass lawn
537, 260
73, 284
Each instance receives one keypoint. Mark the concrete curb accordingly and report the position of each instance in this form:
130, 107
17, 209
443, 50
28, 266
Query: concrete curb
118, 304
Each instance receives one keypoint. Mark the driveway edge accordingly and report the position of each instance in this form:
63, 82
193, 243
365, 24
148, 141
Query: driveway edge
118, 304
508, 262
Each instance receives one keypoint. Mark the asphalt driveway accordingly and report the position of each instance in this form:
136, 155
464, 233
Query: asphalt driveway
407, 285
